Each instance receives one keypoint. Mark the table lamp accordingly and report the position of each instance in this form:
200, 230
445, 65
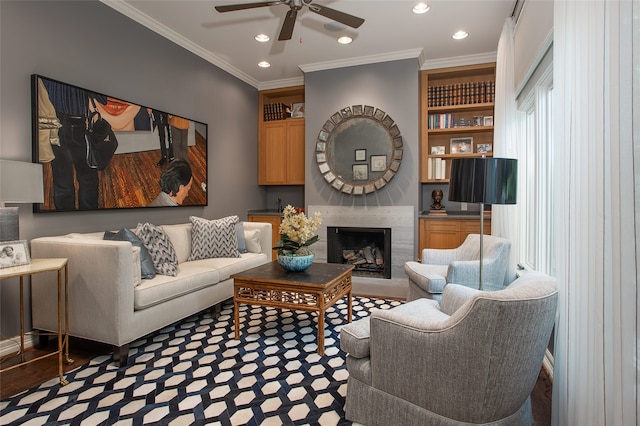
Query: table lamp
483, 181
20, 182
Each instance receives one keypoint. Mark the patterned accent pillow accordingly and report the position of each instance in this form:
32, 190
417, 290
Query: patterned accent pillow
160, 248
214, 238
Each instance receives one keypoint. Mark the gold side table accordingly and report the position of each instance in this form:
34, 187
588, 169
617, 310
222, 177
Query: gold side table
38, 266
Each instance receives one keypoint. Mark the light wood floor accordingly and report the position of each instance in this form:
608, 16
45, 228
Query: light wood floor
82, 351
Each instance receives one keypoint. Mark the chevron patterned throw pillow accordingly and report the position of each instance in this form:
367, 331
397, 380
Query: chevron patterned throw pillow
214, 238
165, 259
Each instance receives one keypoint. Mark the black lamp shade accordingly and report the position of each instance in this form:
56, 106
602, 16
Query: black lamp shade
483, 180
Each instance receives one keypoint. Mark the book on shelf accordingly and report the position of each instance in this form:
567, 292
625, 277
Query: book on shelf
463, 93
436, 168
441, 121
276, 111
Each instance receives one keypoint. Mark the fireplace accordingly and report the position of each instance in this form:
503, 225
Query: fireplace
367, 249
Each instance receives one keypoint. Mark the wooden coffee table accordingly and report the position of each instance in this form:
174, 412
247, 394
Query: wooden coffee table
315, 289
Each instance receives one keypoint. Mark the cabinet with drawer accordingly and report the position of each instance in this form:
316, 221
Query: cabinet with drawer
446, 233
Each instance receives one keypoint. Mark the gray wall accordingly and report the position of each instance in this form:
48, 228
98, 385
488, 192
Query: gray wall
390, 86
88, 44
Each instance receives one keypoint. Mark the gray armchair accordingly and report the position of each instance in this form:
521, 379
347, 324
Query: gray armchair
472, 359
460, 266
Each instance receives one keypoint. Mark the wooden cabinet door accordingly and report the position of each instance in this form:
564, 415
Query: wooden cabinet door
273, 154
442, 234
473, 227
295, 157
275, 228
443, 239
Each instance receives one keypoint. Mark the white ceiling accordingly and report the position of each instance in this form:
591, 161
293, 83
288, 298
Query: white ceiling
391, 31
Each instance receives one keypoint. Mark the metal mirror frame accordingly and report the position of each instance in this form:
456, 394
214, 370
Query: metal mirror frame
327, 133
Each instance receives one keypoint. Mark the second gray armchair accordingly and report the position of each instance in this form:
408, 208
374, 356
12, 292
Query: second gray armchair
460, 266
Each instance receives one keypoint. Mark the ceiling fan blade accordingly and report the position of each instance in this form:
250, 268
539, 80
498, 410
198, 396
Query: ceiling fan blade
336, 15
287, 26
234, 7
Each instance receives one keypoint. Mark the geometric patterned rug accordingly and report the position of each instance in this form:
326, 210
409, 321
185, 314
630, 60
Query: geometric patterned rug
195, 373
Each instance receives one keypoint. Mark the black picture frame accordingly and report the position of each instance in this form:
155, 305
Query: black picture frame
131, 178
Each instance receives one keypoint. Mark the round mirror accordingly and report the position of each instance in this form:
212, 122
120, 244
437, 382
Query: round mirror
359, 150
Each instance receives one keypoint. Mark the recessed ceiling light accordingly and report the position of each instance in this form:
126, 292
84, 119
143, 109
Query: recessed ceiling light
460, 35
262, 38
264, 64
421, 8
345, 40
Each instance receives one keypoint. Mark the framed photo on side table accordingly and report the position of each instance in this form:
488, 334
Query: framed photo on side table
14, 253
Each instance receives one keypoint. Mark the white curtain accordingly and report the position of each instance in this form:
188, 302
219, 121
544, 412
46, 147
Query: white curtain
596, 188
504, 222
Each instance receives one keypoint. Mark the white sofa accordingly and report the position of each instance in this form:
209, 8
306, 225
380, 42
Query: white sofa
110, 303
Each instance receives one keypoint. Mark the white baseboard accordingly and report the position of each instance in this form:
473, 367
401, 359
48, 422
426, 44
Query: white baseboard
547, 364
12, 346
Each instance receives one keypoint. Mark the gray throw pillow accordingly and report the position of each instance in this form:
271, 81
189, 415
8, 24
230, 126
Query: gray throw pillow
165, 259
242, 242
147, 270
213, 238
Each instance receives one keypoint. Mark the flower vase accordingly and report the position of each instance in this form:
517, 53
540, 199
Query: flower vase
295, 263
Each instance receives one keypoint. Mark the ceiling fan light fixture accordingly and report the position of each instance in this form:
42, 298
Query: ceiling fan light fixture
286, 31
264, 64
421, 8
262, 38
459, 35
345, 40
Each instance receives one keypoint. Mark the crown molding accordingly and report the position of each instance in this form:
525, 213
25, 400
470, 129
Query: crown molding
459, 61
131, 12
362, 60
277, 84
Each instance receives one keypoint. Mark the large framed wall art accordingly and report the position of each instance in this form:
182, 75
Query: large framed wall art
101, 152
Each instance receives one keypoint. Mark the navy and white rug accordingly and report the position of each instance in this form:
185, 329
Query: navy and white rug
195, 373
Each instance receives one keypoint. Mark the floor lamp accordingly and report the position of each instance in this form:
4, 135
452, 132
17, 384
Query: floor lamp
20, 182
483, 181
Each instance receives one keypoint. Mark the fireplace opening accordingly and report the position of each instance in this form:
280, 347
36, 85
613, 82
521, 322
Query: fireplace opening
367, 249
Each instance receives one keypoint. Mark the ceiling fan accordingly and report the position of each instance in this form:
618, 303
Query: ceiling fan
295, 5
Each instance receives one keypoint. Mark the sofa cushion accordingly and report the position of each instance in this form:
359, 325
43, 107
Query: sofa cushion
213, 238
160, 248
194, 275
180, 236
164, 288
227, 266
147, 268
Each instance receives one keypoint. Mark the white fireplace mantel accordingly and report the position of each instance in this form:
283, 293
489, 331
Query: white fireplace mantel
399, 218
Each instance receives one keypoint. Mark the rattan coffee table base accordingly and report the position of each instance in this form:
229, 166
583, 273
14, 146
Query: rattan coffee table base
314, 290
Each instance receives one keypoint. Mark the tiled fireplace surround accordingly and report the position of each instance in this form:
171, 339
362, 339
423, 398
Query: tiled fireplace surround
401, 221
